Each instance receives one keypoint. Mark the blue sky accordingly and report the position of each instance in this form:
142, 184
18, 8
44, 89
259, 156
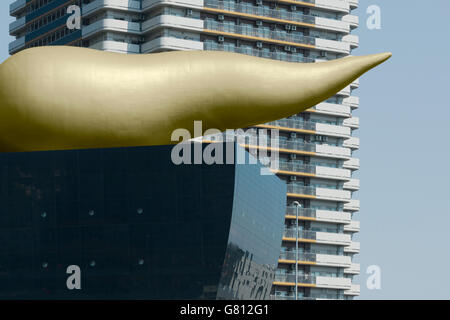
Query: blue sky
405, 167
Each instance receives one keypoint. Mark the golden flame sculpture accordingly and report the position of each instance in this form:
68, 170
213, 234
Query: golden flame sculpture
56, 98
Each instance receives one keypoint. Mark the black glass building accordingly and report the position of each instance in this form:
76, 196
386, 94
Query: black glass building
137, 226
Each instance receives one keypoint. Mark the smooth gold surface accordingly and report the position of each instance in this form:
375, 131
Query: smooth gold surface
54, 98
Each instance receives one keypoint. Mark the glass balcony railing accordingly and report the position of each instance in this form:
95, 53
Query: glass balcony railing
265, 33
302, 212
294, 167
302, 234
291, 296
293, 123
298, 189
260, 11
295, 145
301, 278
302, 256
282, 56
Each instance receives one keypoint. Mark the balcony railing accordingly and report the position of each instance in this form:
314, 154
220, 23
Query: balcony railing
302, 212
298, 189
295, 145
289, 296
302, 256
302, 234
293, 123
260, 11
282, 56
301, 278
258, 32
294, 167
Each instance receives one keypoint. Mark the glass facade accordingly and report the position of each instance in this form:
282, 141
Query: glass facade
138, 226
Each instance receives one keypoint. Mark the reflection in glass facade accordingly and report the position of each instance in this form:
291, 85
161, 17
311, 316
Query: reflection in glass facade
138, 226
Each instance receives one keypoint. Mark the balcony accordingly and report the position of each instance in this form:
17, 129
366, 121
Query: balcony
289, 124
332, 109
333, 282
355, 84
352, 164
326, 260
167, 20
115, 46
289, 279
170, 43
333, 194
309, 280
354, 247
353, 4
290, 256
17, 6
263, 34
282, 295
352, 184
352, 122
275, 55
264, 13
352, 205
319, 215
352, 20
332, 45
333, 25
353, 226
17, 25
16, 45
334, 5
353, 269
301, 191
332, 173
295, 168
340, 239
346, 92
352, 142
352, 39
123, 5
352, 102
332, 151
296, 146
332, 130
110, 25
353, 291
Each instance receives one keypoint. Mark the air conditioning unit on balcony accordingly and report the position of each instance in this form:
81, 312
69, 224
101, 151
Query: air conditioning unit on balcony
259, 44
293, 156
293, 28
142, 17
142, 39
294, 50
287, 48
259, 23
293, 8
259, 2
293, 178
287, 27
323, 54
220, 39
220, 17
293, 135
188, 12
